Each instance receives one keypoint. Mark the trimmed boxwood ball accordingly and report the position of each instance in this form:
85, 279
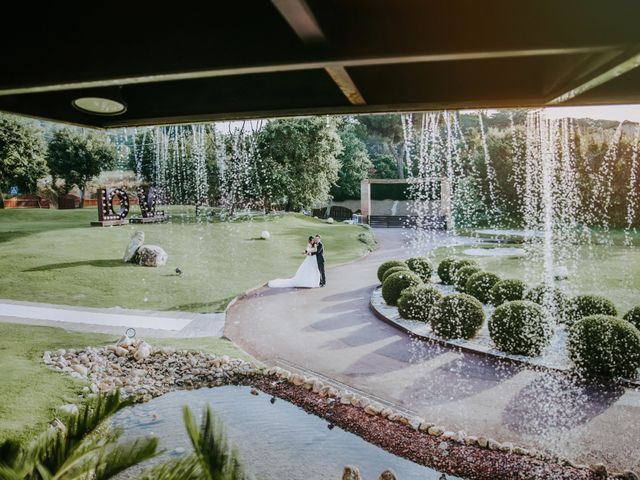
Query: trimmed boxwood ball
395, 283
604, 346
633, 316
543, 293
480, 284
387, 265
586, 305
415, 302
459, 265
402, 268
420, 266
457, 316
444, 270
463, 275
520, 327
508, 290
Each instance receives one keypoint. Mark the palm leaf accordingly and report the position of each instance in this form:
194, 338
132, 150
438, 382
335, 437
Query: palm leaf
124, 455
185, 468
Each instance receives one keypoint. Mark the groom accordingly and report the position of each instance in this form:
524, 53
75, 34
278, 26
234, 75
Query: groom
320, 258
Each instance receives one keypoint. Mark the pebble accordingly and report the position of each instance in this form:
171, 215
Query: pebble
435, 431
483, 442
254, 391
493, 444
599, 469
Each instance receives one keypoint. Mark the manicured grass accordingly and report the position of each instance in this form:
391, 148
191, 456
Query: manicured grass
54, 256
612, 271
30, 392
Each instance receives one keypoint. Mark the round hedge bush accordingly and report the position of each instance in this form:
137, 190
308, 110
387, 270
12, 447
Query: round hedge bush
415, 302
586, 305
480, 284
463, 275
520, 327
459, 265
539, 293
387, 265
508, 290
457, 316
604, 346
389, 271
421, 267
395, 283
444, 270
633, 316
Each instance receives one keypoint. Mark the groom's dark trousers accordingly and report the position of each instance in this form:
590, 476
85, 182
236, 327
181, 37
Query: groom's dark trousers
320, 259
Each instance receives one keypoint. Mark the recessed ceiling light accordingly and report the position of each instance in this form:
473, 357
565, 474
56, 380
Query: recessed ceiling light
99, 106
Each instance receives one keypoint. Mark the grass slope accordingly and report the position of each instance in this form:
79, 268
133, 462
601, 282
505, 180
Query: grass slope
53, 256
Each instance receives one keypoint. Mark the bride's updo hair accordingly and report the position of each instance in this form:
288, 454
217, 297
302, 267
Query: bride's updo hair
311, 239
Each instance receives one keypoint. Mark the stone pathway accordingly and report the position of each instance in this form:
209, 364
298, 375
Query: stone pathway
331, 331
113, 320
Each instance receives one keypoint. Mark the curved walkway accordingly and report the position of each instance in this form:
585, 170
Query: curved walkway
331, 331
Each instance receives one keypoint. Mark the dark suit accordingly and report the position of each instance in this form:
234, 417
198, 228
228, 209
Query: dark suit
320, 258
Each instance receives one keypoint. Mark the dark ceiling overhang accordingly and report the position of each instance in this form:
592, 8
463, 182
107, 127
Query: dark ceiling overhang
261, 58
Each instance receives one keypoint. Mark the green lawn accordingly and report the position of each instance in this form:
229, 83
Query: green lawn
54, 256
30, 392
612, 271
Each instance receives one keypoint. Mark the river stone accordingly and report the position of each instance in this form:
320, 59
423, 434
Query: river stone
435, 431
493, 444
137, 239
483, 442
599, 470
81, 369
152, 256
351, 473
388, 474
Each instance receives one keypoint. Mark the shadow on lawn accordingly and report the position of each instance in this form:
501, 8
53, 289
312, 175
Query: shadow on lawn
117, 262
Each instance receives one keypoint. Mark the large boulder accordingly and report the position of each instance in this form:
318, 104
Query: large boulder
152, 256
137, 240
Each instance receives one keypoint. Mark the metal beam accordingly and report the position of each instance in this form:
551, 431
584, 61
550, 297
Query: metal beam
300, 18
311, 65
619, 69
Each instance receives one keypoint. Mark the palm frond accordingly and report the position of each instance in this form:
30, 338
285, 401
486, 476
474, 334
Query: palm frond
124, 455
185, 468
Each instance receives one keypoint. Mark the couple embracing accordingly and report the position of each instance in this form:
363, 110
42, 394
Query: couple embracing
311, 273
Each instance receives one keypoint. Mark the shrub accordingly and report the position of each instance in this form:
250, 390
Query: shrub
394, 285
633, 316
507, 291
457, 316
586, 305
544, 294
480, 284
391, 270
459, 265
520, 327
463, 275
444, 270
387, 265
421, 267
602, 345
415, 302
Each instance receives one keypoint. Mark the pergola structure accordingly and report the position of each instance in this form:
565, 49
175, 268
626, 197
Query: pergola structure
136, 63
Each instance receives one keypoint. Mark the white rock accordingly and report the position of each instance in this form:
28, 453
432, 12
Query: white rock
493, 444
81, 369
136, 241
121, 352
265, 235
415, 422
330, 220
470, 440
61, 352
168, 350
373, 409
483, 442
152, 256
69, 408
345, 399
425, 426
142, 353
435, 431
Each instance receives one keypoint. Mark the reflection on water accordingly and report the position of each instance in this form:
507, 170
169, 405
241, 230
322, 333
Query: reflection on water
275, 441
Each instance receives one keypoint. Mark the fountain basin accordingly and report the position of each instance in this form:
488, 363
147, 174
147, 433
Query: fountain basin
495, 252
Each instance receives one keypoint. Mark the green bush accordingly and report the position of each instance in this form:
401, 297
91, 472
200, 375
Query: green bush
463, 275
421, 267
444, 270
520, 327
586, 305
633, 316
415, 302
394, 285
387, 265
457, 316
507, 291
542, 294
389, 271
480, 284
602, 345
459, 265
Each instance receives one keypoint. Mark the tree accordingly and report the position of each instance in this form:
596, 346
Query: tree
354, 164
22, 155
385, 137
78, 157
299, 161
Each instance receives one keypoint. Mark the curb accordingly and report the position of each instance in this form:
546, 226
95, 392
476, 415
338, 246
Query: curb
469, 348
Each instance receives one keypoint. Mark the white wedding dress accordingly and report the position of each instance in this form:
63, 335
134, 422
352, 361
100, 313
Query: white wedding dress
307, 276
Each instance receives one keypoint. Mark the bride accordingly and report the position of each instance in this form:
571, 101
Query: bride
307, 276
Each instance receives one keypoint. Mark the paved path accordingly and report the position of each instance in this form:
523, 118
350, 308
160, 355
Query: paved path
113, 320
332, 331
